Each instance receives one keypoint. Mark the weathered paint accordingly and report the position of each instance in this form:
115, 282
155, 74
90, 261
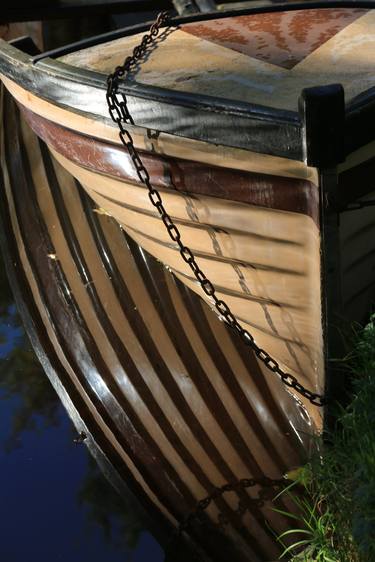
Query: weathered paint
259, 58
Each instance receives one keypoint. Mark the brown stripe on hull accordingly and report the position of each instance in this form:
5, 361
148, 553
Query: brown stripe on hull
253, 235
56, 368
186, 176
153, 407
96, 371
216, 416
164, 143
70, 334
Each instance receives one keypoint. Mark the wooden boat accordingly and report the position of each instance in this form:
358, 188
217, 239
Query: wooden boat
258, 160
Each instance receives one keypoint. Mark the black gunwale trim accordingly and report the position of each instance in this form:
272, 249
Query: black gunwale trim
207, 118
261, 129
208, 103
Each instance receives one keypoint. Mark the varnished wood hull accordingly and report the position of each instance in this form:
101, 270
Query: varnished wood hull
175, 403
256, 235
264, 262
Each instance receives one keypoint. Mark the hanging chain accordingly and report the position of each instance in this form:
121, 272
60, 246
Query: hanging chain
268, 488
267, 484
119, 112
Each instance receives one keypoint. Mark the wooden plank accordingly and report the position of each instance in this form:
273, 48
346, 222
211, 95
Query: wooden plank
103, 301
184, 175
208, 118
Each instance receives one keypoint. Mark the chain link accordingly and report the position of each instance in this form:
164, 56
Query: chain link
265, 483
268, 487
119, 112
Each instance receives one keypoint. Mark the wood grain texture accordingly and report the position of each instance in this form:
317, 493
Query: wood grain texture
181, 175
160, 142
264, 262
177, 404
259, 58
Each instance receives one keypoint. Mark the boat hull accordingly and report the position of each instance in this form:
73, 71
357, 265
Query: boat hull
173, 404
256, 237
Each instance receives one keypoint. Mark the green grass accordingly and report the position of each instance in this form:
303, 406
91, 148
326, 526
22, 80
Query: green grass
337, 521
314, 532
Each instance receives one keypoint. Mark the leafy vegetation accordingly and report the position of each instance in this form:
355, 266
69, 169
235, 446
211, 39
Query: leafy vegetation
337, 510
21, 375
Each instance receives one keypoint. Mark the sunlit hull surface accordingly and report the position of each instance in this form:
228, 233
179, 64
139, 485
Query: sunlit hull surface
255, 235
175, 403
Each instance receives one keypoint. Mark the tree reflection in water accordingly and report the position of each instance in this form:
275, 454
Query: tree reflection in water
37, 408
108, 509
21, 375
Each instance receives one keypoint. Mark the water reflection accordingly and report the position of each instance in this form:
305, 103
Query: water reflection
54, 502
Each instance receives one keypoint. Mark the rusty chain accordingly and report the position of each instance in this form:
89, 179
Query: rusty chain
269, 487
242, 484
119, 112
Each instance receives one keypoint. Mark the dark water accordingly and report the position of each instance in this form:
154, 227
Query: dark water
54, 503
